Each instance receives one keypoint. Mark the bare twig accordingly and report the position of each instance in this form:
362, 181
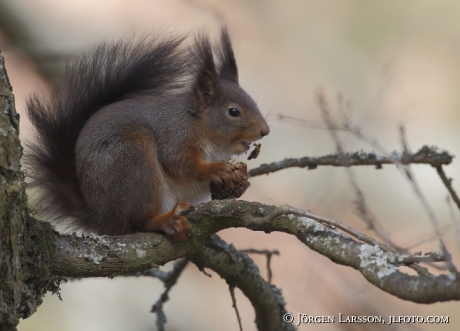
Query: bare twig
455, 221
268, 255
240, 271
231, 288
169, 279
448, 184
307, 124
429, 257
426, 238
403, 165
418, 192
361, 204
426, 155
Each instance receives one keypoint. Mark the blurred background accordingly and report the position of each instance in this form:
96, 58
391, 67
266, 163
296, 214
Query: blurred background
396, 61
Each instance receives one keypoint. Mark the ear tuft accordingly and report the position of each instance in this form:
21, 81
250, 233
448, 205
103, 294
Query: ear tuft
206, 78
226, 58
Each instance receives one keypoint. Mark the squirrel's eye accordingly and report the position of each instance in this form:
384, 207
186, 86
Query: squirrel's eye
234, 112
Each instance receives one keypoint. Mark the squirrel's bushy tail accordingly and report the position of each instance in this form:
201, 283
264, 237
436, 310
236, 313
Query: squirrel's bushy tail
110, 73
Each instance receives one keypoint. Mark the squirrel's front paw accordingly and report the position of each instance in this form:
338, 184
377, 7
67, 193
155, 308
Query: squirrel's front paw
240, 184
222, 175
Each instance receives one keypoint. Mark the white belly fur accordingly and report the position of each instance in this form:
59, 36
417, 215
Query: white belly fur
195, 193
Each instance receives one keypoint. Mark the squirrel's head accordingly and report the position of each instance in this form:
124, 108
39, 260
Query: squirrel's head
222, 105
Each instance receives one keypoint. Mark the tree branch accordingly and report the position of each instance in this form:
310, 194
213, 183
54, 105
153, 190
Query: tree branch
19, 297
169, 279
112, 255
426, 155
268, 254
448, 184
239, 270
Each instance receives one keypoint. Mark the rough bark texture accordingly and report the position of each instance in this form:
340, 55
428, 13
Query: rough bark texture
26, 245
94, 256
13, 291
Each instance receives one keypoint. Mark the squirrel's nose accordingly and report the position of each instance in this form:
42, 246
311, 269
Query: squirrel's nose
265, 130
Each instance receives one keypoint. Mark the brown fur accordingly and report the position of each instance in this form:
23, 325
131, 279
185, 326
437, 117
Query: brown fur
135, 128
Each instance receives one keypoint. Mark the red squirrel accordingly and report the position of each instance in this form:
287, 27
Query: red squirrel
134, 132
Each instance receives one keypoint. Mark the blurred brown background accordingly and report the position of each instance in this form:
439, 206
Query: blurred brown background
398, 62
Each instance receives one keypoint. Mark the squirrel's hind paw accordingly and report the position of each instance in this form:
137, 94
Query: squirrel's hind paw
171, 223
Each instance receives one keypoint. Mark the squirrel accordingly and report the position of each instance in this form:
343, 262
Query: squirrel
134, 132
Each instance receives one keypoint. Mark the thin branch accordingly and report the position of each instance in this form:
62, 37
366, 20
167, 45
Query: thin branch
240, 271
418, 192
429, 257
169, 279
361, 205
403, 164
307, 124
231, 288
426, 238
448, 184
426, 155
455, 221
268, 254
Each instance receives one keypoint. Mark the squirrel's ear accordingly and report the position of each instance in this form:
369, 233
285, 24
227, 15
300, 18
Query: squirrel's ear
206, 80
227, 63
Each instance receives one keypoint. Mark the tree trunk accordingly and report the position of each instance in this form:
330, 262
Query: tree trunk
20, 293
